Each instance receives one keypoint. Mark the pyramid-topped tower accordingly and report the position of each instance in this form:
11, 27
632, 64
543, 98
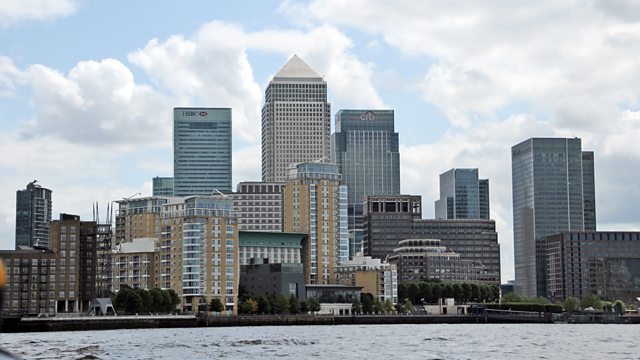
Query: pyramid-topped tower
296, 120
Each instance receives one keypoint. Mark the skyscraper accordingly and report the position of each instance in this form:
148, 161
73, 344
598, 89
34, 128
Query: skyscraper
162, 186
33, 214
365, 146
296, 120
549, 193
462, 195
201, 151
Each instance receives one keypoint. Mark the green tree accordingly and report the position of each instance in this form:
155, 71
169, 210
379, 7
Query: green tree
619, 307
607, 306
147, 300
495, 293
157, 300
356, 307
249, 306
571, 304
294, 304
314, 305
426, 293
263, 304
377, 306
388, 306
407, 307
304, 307
475, 292
511, 298
413, 292
458, 293
280, 304
174, 299
447, 291
367, 303
591, 301
466, 292
216, 305
437, 291
128, 301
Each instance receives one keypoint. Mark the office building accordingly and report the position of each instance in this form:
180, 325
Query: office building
201, 151
551, 182
375, 276
273, 279
162, 186
365, 146
260, 247
296, 120
33, 213
259, 206
463, 195
604, 263
315, 203
391, 219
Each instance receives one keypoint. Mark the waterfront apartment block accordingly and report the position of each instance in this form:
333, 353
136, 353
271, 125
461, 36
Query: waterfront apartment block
391, 219
201, 151
463, 195
315, 203
33, 213
553, 191
296, 120
257, 247
604, 263
373, 275
424, 259
134, 265
162, 186
365, 146
259, 205
138, 218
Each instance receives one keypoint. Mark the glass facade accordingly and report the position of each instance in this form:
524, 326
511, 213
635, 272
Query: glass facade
365, 146
33, 214
162, 186
296, 120
462, 195
548, 197
201, 151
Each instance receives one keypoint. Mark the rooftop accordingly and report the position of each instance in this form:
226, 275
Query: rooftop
296, 68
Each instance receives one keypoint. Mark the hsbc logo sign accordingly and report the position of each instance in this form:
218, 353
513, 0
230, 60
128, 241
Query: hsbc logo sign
194, 113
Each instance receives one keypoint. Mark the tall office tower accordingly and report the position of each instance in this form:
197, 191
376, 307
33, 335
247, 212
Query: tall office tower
296, 120
462, 195
259, 205
201, 151
365, 146
549, 193
315, 202
33, 214
162, 186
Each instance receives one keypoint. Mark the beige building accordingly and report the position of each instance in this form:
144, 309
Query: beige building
315, 203
259, 206
134, 264
196, 245
374, 276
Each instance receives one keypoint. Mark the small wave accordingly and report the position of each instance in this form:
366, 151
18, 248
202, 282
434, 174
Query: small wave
438, 338
272, 342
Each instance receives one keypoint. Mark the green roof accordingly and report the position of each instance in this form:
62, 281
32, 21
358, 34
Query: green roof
271, 239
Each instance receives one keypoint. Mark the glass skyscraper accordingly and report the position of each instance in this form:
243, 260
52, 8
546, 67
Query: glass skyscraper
553, 191
201, 151
162, 186
462, 195
33, 214
365, 146
296, 120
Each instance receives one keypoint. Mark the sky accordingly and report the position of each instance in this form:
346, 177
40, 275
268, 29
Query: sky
87, 89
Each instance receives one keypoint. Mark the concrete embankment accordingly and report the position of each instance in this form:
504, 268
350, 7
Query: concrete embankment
97, 323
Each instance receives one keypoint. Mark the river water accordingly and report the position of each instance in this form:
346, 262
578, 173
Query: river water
441, 341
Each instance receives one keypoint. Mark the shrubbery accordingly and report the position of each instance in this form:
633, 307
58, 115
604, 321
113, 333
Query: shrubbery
136, 301
430, 291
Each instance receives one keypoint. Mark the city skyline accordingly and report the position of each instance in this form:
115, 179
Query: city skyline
93, 122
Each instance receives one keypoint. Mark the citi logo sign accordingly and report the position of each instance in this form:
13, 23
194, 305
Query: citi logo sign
368, 116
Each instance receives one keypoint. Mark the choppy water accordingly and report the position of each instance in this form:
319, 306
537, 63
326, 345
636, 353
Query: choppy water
442, 341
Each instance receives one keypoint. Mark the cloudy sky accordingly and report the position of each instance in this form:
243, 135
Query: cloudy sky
87, 88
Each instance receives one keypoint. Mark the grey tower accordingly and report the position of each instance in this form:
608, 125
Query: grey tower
365, 145
33, 214
463, 195
201, 151
553, 191
162, 186
296, 120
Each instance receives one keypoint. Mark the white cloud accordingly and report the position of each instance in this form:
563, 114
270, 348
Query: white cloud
15, 11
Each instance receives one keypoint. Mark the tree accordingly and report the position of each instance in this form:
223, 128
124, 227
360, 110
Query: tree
377, 306
607, 306
314, 305
447, 291
619, 307
388, 306
294, 304
356, 307
147, 300
157, 300
458, 293
495, 293
249, 306
216, 305
304, 307
263, 304
592, 301
475, 292
413, 292
128, 301
511, 298
407, 307
571, 304
367, 303
466, 292
280, 304
174, 299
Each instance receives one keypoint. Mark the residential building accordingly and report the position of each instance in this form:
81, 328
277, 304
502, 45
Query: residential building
552, 178
138, 218
162, 186
134, 264
391, 219
257, 247
201, 151
425, 259
259, 206
33, 213
273, 279
604, 263
373, 275
315, 203
365, 146
296, 120
463, 195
